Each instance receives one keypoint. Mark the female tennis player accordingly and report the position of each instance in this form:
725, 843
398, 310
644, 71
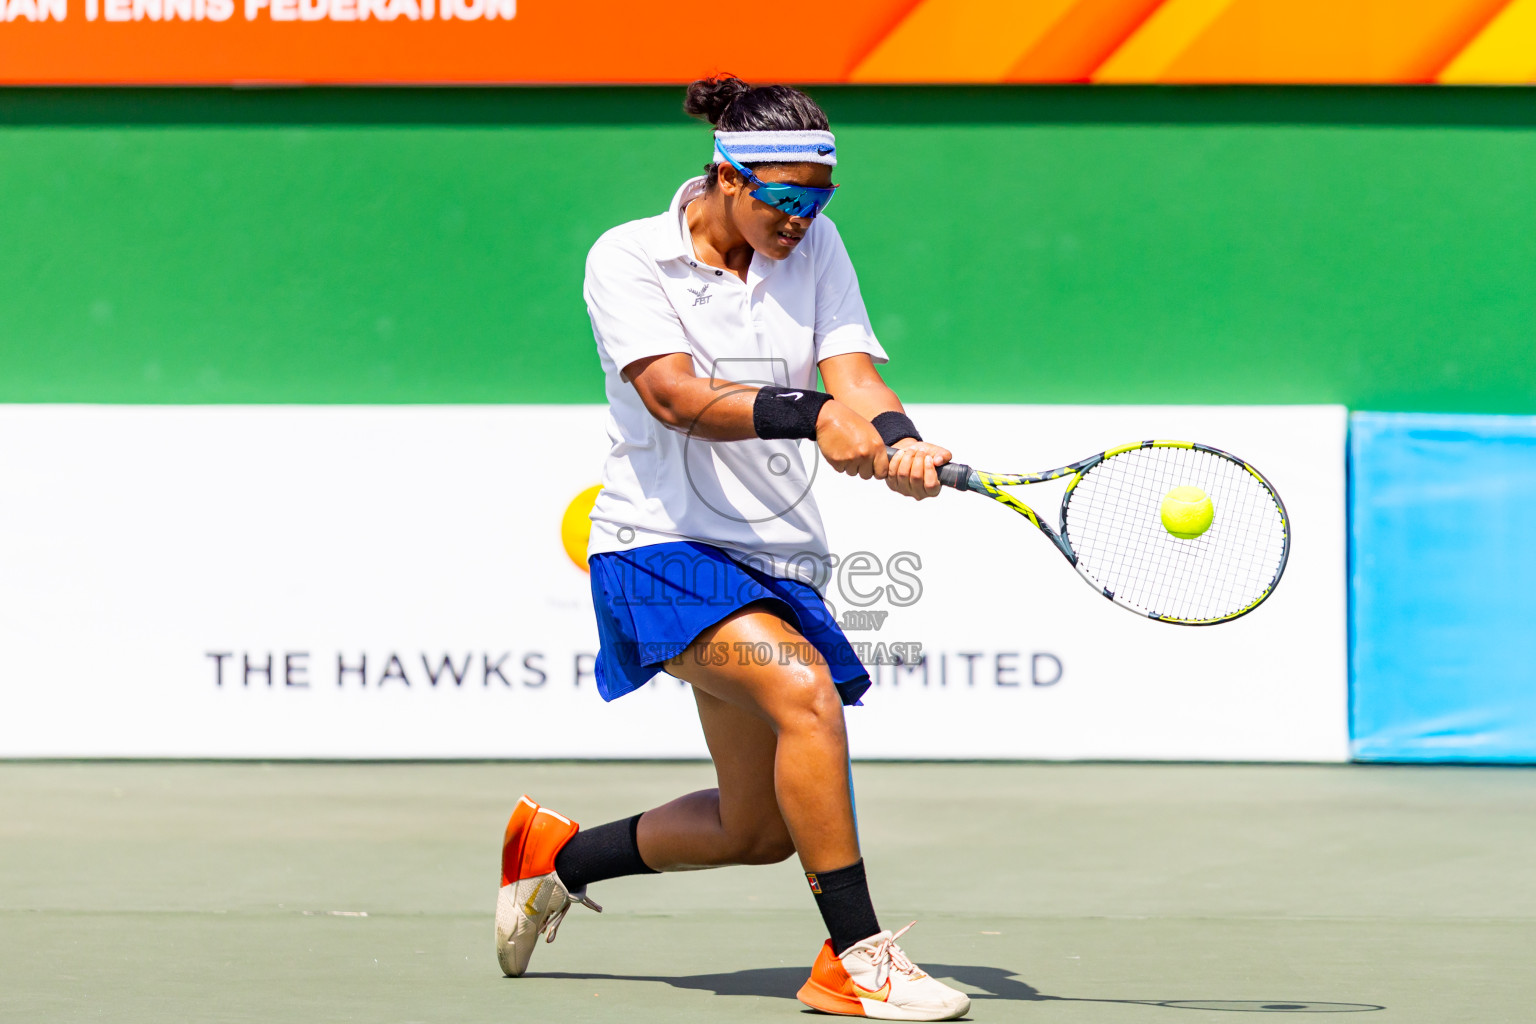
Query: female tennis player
712, 320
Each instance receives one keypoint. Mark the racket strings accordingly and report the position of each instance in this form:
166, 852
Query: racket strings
1113, 521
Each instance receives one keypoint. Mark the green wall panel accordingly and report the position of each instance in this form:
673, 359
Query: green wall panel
1370, 247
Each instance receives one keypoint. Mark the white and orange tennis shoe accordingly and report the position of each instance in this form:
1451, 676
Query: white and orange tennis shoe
532, 900
874, 978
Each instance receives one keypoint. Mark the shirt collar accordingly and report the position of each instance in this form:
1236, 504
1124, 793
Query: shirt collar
672, 241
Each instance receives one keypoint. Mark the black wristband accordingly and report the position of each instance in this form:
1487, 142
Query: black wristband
787, 412
894, 426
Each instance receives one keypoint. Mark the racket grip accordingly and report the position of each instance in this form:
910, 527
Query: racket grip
956, 475
951, 474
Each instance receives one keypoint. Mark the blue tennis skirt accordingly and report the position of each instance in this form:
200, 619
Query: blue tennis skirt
653, 601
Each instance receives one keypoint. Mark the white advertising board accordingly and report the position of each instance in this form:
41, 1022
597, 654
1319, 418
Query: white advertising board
389, 582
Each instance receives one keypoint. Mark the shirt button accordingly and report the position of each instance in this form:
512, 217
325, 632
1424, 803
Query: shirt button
719, 272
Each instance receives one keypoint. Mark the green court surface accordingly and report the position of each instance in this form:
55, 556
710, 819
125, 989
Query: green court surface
1054, 893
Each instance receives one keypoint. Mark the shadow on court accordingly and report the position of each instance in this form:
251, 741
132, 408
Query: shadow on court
980, 982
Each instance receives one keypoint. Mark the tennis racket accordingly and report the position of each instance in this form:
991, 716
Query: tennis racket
1111, 528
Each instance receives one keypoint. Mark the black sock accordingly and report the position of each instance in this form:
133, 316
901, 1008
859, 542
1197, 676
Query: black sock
595, 854
842, 896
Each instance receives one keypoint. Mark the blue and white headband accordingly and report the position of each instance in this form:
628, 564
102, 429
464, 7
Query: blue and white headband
808, 147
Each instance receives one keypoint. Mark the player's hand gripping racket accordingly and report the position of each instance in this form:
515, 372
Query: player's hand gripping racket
1225, 560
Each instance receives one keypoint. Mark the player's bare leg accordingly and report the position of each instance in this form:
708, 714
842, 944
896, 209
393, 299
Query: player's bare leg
736, 823
799, 721
861, 971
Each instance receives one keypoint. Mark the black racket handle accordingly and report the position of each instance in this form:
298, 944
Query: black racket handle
951, 474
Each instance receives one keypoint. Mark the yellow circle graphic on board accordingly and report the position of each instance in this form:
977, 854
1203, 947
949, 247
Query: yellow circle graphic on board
575, 527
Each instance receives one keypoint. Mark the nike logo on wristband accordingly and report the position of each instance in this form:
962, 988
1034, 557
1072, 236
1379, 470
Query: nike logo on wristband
793, 394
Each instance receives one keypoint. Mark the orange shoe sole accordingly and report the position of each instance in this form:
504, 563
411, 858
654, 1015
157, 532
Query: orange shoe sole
829, 989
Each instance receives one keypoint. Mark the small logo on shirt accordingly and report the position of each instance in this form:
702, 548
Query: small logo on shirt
699, 298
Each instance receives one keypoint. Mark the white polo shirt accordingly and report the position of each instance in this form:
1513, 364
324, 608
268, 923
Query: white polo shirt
648, 294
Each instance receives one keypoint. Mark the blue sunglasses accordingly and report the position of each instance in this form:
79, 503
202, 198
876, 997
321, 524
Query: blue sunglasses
794, 200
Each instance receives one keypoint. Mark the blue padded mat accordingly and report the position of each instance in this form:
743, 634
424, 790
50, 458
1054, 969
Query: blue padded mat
1443, 581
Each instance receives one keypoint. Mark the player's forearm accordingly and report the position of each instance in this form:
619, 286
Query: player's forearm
721, 410
879, 405
869, 399
854, 381
711, 410
727, 411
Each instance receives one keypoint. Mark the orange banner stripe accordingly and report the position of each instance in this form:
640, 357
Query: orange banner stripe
959, 41
1170, 31
1504, 53
1335, 41
1080, 40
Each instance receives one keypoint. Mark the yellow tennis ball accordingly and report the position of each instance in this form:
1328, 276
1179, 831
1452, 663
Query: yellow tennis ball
575, 527
1187, 512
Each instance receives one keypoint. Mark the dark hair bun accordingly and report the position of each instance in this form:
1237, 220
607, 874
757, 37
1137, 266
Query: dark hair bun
708, 97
